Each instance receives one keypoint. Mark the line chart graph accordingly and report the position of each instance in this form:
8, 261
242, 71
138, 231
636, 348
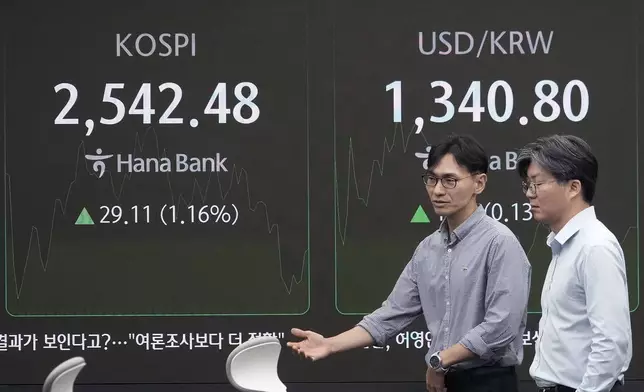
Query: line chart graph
364, 194
377, 167
53, 268
366, 269
207, 101
377, 185
199, 193
39, 248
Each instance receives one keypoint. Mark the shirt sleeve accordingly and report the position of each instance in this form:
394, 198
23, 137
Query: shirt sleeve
400, 309
506, 299
603, 276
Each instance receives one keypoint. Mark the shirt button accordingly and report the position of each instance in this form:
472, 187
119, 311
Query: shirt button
447, 303
449, 250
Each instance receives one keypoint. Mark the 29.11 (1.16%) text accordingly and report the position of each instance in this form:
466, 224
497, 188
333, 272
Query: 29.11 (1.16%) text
170, 214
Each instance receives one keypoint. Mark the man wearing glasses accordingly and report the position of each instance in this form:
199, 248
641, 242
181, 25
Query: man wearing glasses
470, 279
585, 342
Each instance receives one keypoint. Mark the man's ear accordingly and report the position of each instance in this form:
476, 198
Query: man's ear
480, 180
574, 189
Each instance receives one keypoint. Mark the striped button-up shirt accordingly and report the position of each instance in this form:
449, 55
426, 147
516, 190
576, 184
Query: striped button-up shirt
472, 287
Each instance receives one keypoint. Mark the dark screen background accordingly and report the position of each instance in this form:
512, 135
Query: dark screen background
325, 183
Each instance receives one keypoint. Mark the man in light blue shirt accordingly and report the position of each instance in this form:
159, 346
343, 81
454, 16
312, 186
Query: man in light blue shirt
585, 339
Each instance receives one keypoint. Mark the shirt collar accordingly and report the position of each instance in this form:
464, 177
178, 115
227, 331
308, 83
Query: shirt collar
464, 228
572, 227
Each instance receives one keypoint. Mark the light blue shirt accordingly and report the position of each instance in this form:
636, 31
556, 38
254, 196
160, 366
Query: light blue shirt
471, 286
585, 339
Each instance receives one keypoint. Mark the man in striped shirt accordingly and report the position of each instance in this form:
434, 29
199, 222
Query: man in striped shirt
470, 279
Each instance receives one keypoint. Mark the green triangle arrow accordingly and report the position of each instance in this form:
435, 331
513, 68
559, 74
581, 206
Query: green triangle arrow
84, 218
420, 216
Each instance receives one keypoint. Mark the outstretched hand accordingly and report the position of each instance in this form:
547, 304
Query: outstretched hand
313, 346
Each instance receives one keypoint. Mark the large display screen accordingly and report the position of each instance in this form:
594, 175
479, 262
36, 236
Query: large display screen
182, 176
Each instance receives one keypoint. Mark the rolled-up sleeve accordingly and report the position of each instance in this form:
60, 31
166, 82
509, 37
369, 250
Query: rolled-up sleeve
506, 298
400, 309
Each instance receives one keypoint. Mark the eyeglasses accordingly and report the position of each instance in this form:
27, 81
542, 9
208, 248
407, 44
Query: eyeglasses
532, 186
447, 182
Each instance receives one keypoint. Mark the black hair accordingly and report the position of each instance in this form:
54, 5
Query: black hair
466, 151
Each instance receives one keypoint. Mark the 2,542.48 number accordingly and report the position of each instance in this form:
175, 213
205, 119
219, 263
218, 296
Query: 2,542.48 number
142, 104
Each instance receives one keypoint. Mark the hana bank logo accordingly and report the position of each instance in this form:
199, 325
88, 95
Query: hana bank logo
129, 163
99, 161
424, 156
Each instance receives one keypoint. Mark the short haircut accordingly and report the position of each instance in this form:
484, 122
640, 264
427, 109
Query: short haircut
466, 150
565, 157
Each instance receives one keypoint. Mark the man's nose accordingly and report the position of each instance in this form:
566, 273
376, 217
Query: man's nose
439, 188
530, 194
